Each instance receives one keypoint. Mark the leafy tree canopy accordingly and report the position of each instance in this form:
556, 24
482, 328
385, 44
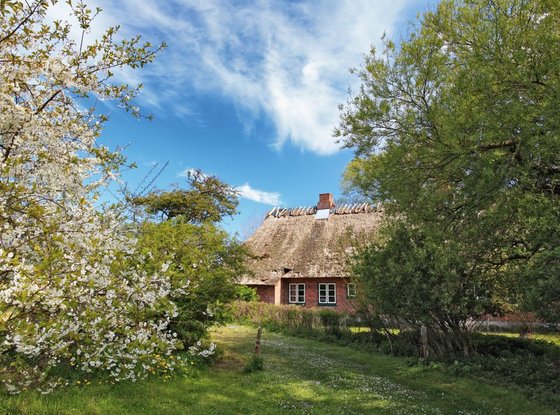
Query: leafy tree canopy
208, 199
419, 278
457, 130
185, 239
204, 260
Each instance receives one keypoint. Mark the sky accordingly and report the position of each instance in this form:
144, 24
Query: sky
245, 90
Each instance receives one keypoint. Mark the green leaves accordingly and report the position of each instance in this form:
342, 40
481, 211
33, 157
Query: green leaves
203, 259
207, 200
199, 255
457, 132
71, 290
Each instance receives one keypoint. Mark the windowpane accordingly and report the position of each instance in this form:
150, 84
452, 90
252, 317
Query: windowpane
322, 293
301, 293
332, 293
296, 293
293, 297
351, 290
327, 293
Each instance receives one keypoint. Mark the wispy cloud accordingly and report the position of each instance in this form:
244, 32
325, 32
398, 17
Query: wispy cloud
260, 196
245, 191
285, 61
187, 172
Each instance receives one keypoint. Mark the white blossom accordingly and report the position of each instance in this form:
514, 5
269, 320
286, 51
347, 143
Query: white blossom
71, 285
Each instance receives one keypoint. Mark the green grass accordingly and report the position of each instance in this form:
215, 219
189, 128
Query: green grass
300, 377
549, 337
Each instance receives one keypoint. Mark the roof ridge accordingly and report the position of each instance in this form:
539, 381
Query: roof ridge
345, 209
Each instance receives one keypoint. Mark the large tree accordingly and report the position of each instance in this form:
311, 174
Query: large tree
415, 277
457, 131
181, 231
72, 290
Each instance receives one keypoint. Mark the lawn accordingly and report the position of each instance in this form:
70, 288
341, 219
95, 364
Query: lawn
301, 377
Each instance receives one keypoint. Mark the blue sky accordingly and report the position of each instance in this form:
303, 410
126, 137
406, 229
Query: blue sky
247, 91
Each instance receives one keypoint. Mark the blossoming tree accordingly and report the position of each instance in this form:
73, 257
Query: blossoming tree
72, 289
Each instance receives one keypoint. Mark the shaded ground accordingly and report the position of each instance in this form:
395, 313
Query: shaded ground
300, 377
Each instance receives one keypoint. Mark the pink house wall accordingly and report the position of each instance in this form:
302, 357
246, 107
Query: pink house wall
265, 293
343, 303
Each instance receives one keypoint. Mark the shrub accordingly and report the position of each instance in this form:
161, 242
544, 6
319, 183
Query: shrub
286, 318
502, 346
244, 293
255, 364
331, 321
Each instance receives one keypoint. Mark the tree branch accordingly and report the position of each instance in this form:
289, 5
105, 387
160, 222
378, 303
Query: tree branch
25, 20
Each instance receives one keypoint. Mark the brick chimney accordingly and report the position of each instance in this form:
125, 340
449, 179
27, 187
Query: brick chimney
325, 201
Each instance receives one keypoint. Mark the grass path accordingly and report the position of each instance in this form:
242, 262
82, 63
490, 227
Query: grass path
300, 377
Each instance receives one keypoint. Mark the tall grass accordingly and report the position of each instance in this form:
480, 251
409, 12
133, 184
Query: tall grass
290, 318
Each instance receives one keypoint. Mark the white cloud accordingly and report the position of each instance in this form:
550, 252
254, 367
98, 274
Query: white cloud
286, 61
186, 172
192, 172
260, 196
245, 191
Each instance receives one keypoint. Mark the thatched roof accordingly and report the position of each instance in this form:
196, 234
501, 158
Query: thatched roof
291, 243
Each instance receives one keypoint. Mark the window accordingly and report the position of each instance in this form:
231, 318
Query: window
296, 294
351, 290
327, 293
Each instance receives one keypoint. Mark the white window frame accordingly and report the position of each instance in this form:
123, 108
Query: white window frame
296, 293
351, 290
327, 292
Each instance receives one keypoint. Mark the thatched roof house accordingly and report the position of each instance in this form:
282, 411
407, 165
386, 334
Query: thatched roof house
301, 254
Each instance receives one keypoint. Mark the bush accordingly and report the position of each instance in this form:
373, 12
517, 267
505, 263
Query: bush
502, 346
274, 317
244, 293
202, 263
331, 321
255, 364
294, 319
